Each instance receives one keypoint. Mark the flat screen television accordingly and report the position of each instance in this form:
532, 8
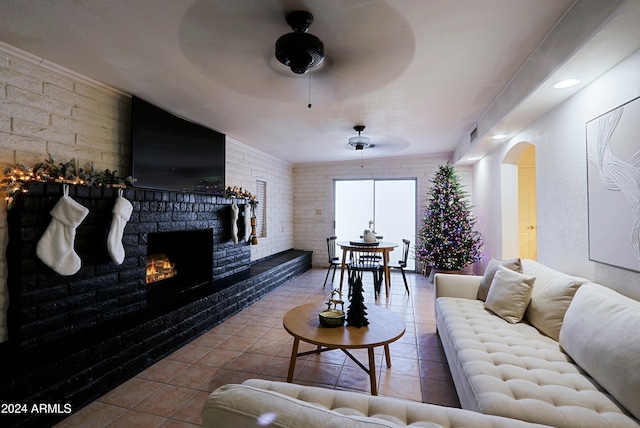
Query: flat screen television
172, 153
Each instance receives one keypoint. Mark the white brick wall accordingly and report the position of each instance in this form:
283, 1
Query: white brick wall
245, 165
42, 113
313, 193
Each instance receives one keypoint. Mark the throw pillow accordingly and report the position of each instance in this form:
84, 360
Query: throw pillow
600, 332
490, 271
509, 294
550, 299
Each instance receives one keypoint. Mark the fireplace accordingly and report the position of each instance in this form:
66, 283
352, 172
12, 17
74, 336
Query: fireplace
192, 231
177, 262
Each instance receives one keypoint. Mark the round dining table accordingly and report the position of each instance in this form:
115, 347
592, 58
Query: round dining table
382, 247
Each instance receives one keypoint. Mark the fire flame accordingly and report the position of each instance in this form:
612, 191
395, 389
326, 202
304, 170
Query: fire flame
159, 268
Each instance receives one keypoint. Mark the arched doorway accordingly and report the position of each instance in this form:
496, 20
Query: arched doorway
518, 188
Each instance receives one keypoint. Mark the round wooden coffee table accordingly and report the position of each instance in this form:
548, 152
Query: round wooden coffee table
303, 324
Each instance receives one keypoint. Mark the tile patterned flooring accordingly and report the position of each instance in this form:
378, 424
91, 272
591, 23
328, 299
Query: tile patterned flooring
253, 344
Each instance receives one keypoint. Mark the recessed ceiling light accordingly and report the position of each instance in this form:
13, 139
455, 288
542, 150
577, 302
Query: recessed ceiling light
563, 84
499, 136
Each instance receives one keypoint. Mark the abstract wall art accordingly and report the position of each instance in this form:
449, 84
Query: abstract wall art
613, 182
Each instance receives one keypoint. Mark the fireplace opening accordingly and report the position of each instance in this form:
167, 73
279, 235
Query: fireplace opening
177, 262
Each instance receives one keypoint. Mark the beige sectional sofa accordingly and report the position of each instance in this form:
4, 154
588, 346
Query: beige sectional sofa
584, 372
553, 350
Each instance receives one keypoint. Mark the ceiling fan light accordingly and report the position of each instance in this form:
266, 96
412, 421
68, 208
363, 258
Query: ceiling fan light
359, 142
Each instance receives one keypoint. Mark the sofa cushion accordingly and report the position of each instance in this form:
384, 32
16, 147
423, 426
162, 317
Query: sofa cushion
600, 332
509, 294
490, 271
550, 298
515, 371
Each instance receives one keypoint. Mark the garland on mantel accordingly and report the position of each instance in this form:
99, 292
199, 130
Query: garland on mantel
239, 193
18, 177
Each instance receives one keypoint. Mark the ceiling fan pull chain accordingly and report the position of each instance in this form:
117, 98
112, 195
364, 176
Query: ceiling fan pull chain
309, 105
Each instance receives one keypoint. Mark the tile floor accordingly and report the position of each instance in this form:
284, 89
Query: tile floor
253, 343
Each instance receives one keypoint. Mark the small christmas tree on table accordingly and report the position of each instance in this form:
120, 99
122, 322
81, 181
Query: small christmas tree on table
447, 239
356, 314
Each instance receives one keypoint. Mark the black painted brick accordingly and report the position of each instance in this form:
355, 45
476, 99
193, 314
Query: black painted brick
155, 217
133, 274
115, 290
133, 297
171, 226
93, 283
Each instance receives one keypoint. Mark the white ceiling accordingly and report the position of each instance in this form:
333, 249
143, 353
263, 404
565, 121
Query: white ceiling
420, 74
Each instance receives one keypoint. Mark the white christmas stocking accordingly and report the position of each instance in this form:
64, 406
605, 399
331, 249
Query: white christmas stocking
234, 223
55, 247
122, 210
247, 223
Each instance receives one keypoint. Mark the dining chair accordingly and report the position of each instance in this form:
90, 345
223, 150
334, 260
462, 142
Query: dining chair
363, 259
402, 263
375, 256
334, 261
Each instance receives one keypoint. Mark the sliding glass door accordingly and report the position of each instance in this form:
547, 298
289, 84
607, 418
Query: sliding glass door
390, 204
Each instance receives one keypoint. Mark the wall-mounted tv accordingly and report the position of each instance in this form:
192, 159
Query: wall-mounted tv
172, 153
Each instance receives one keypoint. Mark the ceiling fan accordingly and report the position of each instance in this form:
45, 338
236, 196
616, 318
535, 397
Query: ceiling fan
352, 48
299, 50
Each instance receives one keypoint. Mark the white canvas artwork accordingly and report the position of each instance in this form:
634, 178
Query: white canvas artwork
613, 174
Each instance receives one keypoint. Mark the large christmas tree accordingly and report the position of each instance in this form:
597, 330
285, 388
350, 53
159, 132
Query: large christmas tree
447, 239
